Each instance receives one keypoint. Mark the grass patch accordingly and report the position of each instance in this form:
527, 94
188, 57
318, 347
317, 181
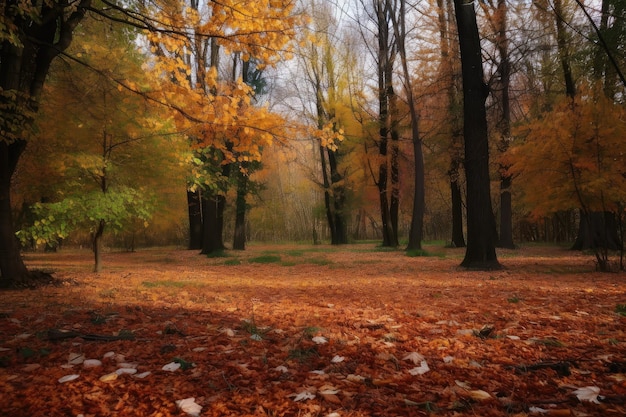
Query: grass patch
232, 262
621, 309
319, 261
514, 300
265, 259
414, 253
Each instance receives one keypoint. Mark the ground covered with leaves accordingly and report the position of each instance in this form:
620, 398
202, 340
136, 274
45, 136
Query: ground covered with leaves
315, 331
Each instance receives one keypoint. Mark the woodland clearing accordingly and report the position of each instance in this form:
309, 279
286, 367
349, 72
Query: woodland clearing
299, 330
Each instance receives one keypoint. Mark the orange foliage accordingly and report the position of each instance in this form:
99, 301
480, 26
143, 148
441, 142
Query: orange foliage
572, 156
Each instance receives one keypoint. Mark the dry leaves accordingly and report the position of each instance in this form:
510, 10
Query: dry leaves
367, 333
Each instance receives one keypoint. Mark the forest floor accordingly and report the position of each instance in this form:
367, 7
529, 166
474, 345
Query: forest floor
315, 331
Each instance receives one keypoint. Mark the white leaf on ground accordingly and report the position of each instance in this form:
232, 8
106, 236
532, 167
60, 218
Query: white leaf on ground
75, 358
333, 415
171, 367
189, 406
199, 349
420, 370
414, 357
122, 371
448, 359
480, 395
337, 359
127, 365
588, 394
512, 337
304, 395
229, 332
108, 355
355, 378
281, 368
618, 377
320, 340
317, 372
462, 384
91, 363
68, 378
256, 337
537, 410
142, 375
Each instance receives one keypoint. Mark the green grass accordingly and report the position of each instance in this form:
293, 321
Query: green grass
265, 259
621, 309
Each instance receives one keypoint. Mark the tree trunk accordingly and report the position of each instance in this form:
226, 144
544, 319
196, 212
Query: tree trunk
12, 268
239, 240
97, 246
23, 71
194, 207
481, 251
213, 224
597, 230
458, 240
385, 74
339, 235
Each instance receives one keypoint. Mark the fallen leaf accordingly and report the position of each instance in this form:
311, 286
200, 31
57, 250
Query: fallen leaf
91, 363
109, 377
171, 367
189, 406
420, 370
414, 357
337, 359
588, 394
320, 340
479, 395
68, 378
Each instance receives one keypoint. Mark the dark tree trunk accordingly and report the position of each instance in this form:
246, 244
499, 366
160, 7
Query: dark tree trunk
339, 235
385, 74
97, 246
213, 224
458, 240
12, 268
239, 240
194, 206
597, 230
481, 251
327, 190
23, 71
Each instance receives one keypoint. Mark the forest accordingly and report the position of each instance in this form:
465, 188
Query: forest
312, 207
481, 125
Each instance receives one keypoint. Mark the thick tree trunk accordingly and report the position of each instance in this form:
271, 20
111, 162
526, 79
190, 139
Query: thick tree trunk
213, 224
194, 206
481, 251
12, 268
597, 230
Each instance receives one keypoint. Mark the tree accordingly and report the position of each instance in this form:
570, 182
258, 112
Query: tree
106, 142
576, 152
31, 37
397, 13
498, 16
480, 252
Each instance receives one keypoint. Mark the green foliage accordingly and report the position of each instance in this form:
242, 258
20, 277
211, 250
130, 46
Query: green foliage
621, 309
116, 208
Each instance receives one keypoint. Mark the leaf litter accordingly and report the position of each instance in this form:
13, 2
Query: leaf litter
368, 334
